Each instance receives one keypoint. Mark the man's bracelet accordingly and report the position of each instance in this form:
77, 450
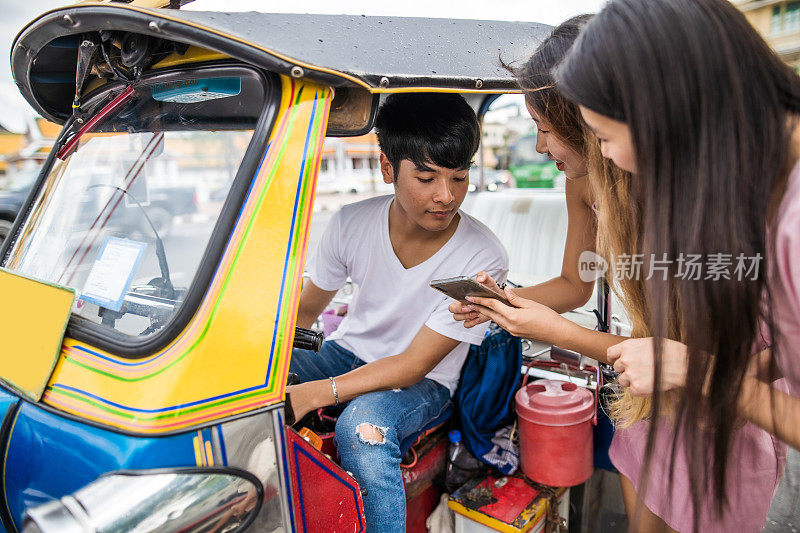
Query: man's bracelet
335, 392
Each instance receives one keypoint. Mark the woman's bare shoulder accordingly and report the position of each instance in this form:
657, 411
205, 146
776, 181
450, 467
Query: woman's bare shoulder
580, 189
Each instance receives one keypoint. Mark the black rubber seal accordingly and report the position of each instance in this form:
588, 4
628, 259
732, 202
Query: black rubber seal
5, 435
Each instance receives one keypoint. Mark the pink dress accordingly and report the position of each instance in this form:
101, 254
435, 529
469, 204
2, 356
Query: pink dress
757, 459
754, 469
786, 276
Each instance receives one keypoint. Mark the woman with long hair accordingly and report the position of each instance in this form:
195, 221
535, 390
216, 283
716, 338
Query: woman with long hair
560, 136
687, 97
621, 216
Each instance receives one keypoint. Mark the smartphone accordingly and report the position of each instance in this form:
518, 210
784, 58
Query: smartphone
462, 286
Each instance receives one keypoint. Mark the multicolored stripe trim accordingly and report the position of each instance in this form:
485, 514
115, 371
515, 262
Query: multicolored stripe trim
82, 398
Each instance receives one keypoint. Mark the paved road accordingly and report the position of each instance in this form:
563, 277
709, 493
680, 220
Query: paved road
784, 515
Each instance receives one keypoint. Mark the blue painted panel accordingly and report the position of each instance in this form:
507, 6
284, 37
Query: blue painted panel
50, 456
6, 401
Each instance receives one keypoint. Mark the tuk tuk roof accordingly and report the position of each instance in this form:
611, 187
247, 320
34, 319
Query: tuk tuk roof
380, 54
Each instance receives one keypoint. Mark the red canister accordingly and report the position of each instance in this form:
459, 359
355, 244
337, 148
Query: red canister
555, 432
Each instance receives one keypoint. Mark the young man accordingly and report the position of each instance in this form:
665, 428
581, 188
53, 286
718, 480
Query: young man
397, 355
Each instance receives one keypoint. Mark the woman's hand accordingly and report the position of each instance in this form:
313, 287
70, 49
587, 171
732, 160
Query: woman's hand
463, 312
524, 318
634, 359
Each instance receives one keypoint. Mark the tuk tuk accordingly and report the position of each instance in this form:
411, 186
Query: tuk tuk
143, 374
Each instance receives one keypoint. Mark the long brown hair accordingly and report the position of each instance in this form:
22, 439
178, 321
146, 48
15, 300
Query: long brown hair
707, 103
617, 211
618, 228
536, 80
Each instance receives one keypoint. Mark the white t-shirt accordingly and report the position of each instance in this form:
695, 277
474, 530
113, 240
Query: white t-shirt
393, 303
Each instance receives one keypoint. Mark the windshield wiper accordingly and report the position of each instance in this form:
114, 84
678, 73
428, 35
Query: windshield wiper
167, 287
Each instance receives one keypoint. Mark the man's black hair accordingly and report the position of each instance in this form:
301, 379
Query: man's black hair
428, 128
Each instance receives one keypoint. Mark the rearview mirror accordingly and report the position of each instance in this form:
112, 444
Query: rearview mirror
207, 499
352, 112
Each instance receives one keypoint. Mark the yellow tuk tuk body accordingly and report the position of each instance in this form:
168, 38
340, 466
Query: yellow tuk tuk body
167, 388
249, 373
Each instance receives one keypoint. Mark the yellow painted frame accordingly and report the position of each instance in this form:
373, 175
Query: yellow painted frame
233, 355
31, 347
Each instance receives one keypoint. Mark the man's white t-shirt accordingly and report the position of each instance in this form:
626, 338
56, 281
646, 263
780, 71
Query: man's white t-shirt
393, 303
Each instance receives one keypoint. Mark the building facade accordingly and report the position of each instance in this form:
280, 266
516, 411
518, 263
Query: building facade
778, 21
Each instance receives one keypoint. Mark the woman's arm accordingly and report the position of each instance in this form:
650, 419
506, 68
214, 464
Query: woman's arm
568, 291
771, 409
634, 360
532, 320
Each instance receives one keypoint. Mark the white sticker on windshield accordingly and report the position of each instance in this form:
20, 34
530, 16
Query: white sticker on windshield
112, 272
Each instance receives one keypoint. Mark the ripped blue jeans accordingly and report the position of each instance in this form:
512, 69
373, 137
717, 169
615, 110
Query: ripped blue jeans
395, 414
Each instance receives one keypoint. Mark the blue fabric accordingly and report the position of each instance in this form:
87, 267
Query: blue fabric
485, 396
603, 434
397, 413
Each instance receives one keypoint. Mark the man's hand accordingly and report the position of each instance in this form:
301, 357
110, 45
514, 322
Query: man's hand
309, 396
634, 359
524, 318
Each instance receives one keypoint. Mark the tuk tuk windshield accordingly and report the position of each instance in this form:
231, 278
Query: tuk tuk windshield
129, 205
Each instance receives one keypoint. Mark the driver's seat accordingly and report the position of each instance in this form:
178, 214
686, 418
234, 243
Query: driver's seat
409, 441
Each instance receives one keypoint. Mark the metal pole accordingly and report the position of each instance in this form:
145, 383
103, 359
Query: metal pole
603, 305
480, 160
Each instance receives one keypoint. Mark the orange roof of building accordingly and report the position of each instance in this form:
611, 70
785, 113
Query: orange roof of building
11, 143
50, 130
369, 138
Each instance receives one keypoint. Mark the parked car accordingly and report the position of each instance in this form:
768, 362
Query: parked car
493, 179
159, 206
12, 196
529, 168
